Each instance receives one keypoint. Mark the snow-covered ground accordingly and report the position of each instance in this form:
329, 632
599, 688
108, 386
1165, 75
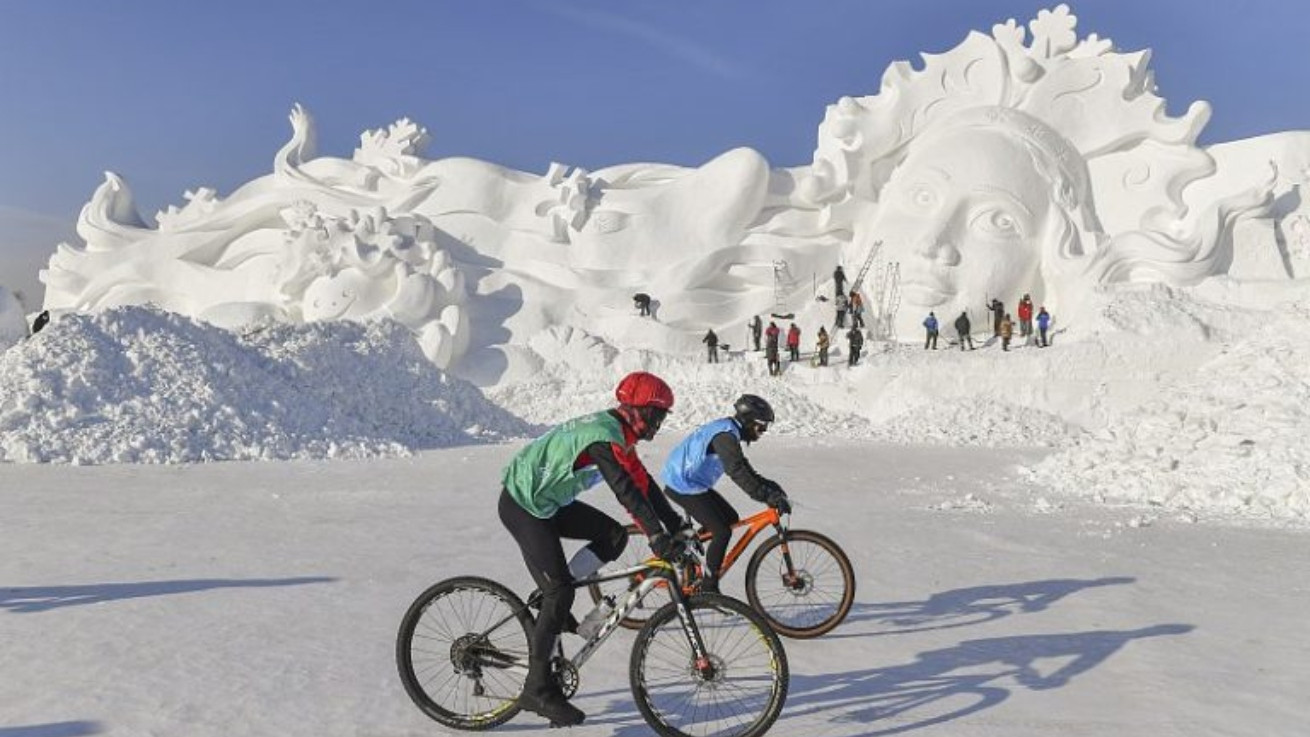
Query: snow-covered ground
1195, 408
263, 599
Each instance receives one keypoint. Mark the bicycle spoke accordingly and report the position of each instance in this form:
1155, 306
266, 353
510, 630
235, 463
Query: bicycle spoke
745, 682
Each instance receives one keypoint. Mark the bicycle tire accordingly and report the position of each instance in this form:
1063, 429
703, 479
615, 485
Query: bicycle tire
812, 609
432, 651
753, 670
635, 553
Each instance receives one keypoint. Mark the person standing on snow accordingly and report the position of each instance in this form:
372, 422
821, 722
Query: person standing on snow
701, 459
838, 283
771, 349
757, 327
538, 505
856, 340
1007, 331
1043, 323
998, 314
964, 329
711, 342
1026, 318
822, 346
842, 305
857, 309
794, 342
642, 301
40, 322
930, 325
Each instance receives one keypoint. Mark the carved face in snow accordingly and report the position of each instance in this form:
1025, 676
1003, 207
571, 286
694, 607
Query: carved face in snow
965, 216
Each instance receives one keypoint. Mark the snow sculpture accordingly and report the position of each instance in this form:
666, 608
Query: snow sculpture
1011, 164
1005, 168
315, 241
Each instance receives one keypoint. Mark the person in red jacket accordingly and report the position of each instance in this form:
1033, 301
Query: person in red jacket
794, 342
1026, 318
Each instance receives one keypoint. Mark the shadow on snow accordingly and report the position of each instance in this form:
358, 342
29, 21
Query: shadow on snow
967, 606
31, 599
57, 729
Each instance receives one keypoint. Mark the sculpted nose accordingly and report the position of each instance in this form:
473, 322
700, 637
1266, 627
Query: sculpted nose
939, 246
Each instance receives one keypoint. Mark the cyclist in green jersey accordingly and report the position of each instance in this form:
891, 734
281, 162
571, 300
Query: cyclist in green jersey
539, 507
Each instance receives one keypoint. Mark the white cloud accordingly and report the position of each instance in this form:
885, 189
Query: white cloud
673, 46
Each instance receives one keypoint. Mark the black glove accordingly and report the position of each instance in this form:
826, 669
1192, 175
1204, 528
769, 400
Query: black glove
775, 497
667, 548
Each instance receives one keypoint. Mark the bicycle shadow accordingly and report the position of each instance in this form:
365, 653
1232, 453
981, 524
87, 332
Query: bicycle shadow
33, 599
951, 683
57, 729
967, 606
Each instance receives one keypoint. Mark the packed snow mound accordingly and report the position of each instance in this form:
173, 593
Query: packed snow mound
138, 385
577, 372
1229, 438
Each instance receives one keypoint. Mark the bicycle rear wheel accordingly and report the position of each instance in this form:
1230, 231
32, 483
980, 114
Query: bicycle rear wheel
812, 601
462, 652
741, 698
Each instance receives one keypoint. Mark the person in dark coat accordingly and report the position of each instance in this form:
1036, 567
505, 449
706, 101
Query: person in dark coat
642, 301
964, 329
711, 342
930, 325
771, 349
757, 327
41, 321
998, 314
856, 338
838, 281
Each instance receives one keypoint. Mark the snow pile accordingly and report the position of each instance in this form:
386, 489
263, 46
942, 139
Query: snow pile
138, 385
1229, 437
985, 423
577, 373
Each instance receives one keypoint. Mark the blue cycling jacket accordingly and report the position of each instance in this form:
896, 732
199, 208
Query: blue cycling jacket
691, 468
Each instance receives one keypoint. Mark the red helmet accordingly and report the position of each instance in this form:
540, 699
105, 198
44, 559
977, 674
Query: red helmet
642, 389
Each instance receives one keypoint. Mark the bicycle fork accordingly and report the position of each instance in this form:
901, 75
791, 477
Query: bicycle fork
704, 667
789, 577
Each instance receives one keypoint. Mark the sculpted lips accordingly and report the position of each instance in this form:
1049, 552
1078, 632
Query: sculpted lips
926, 289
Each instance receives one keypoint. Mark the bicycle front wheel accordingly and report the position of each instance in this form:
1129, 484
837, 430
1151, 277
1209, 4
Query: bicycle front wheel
743, 694
462, 651
811, 596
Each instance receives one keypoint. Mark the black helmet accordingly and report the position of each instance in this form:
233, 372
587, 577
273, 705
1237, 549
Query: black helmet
750, 409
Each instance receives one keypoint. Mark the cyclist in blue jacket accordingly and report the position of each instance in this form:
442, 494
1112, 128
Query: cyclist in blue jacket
701, 459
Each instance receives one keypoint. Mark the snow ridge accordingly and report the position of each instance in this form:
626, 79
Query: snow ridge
139, 385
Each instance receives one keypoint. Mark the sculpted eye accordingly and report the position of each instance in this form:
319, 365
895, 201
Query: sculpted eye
997, 221
921, 197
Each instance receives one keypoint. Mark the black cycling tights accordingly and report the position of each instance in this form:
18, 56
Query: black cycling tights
714, 512
539, 540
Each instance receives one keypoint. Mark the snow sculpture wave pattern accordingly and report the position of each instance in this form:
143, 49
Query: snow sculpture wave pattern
315, 241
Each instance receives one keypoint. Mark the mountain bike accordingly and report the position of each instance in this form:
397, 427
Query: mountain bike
801, 581
700, 665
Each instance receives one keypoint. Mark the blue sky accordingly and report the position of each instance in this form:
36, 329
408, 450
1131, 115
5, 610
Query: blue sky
173, 95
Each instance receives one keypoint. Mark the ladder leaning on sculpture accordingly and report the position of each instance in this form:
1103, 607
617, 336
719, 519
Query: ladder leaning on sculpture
780, 269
